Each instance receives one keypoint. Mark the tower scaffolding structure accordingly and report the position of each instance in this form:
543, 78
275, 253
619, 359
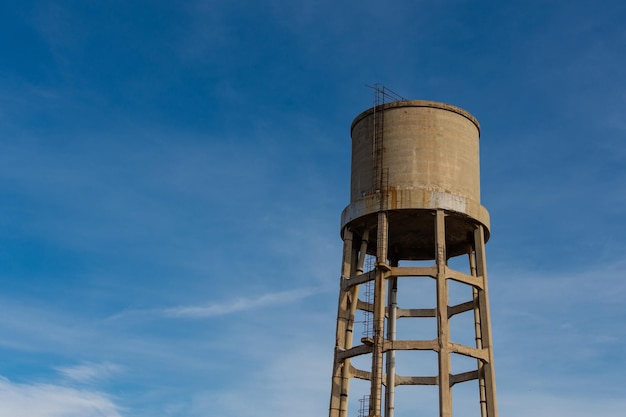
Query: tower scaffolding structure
414, 207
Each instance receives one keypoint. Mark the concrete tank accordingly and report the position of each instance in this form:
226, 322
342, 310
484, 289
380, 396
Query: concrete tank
430, 160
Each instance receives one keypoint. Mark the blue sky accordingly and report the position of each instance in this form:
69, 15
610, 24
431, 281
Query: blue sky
172, 176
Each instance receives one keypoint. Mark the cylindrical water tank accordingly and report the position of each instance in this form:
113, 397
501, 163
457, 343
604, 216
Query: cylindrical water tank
428, 159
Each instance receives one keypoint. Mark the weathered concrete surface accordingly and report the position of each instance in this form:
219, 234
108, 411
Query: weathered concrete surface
430, 159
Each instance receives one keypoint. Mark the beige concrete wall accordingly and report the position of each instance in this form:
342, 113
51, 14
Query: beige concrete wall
431, 157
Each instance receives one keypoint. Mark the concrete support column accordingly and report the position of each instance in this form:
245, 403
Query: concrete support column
353, 299
443, 324
379, 317
392, 307
488, 374
339, 382
478, 334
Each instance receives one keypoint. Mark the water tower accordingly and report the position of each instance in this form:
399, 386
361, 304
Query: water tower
414, 214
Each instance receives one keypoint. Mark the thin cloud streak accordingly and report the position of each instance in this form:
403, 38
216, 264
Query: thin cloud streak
239, 304
89, 372
224, 308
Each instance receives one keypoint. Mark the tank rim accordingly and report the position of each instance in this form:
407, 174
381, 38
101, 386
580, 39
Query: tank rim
419, 103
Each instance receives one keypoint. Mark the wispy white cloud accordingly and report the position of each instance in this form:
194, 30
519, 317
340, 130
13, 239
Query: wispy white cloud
47, 400
89, 372
223, 308
239, 304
